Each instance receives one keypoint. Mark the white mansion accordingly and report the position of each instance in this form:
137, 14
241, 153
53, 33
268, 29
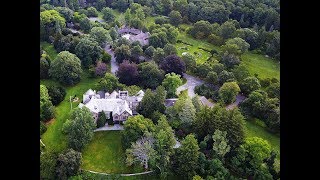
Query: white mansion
119, 104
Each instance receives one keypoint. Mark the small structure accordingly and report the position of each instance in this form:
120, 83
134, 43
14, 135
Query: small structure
170, 102
119, 104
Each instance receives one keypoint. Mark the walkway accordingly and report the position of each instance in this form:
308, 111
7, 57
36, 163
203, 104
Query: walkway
116, 127
114, 64
135, 174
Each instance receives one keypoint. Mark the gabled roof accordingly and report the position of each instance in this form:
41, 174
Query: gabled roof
90, 92
108, 105
140, 93
121, 109
114, 94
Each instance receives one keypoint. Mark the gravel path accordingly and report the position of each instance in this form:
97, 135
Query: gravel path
114, 64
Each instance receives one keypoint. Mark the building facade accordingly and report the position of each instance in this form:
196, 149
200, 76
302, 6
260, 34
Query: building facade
118, 105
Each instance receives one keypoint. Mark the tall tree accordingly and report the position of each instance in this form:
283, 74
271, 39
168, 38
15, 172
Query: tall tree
108, 83
164, 143
228, 92
122, 53
171, 82
107, 14
169, 49
208, 120
127, 73
85, 24
158, 55
134, 128
175, 18
66, 68
141, 151
79, 128
220, 143
227, 29
250, 156
152, 102
150, 75
46, 107
101, 35
173, 63
88, 50
249, 85
187, 156
68, 163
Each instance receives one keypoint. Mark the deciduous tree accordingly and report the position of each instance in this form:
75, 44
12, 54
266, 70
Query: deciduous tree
128, 73
171, 82
79, 128
66, 68
173, 63
187, 156
150, 75
228, 92
88, 50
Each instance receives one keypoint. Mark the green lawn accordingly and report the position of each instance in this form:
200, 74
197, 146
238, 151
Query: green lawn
261, 65
49, 49
256, 129
255, 63
105, 154
53, 137
202, 55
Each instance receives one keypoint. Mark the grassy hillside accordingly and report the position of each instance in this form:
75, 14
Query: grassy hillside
105, 154
54, 138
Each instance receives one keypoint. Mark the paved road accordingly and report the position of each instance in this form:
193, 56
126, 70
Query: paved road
75, 31
239, 99
114, 64
93, 19
192, 82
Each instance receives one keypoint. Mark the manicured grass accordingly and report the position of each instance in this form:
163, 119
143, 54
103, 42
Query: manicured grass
255, 129
49, 49
261, 65
196, 44
105, 154
255, 63
53, 138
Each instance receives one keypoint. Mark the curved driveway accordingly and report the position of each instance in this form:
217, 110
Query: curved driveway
192, 82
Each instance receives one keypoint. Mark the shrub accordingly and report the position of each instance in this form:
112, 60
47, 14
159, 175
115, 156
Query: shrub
43, 128
161, 20
92, 12
106, 58
204, 90
101, 121
57, 94
110, 122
